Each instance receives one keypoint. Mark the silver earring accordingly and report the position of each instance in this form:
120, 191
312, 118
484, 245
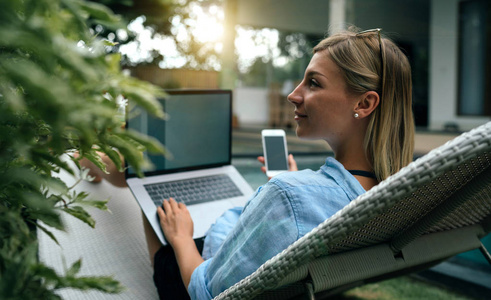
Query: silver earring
356, 115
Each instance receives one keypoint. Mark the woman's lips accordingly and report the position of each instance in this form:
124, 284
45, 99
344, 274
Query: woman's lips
299, 115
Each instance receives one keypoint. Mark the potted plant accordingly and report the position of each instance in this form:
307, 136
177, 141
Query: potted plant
58, 93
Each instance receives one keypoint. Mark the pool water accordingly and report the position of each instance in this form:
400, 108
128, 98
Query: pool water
250, 168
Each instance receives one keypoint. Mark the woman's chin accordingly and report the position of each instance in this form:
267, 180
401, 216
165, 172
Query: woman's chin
305, 134
301, 133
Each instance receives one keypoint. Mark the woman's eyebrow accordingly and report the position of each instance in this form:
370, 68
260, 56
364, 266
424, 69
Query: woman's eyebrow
313, 73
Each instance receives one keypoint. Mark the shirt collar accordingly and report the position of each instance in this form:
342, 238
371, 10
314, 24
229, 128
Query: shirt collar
343, 178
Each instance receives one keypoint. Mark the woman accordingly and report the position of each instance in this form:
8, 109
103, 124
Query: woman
355, 95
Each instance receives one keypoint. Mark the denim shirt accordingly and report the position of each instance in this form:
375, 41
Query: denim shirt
278, 213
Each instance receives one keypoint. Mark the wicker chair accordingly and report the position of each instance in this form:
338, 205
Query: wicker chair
433, 209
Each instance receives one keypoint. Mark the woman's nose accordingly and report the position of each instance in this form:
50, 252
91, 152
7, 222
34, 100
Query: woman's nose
295, 97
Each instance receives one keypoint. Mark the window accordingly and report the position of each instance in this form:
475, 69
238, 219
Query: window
474, 58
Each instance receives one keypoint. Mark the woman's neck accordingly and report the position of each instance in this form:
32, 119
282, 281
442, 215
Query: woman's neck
366, 182
352, 156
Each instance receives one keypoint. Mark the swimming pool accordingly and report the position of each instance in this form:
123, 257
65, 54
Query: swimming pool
249, 167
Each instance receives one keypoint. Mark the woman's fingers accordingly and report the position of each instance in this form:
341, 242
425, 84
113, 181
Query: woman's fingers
261, 160
182, 206
173, 204
292, 163
160, 212
166, 206
175, 221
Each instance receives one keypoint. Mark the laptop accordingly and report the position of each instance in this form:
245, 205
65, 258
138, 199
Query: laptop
198, 135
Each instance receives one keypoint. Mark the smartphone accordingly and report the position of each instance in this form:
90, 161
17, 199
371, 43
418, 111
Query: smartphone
275, 151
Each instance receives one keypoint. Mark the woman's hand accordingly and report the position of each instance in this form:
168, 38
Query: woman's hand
177, 226
175, 221
292, 164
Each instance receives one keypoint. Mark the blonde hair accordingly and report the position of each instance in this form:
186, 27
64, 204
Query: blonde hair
389, 139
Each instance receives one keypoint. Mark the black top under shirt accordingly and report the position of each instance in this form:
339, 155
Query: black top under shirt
363, 173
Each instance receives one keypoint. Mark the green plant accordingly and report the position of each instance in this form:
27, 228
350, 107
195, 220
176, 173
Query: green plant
58, 94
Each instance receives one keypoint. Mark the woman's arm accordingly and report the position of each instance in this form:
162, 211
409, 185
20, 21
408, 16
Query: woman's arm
266, 226
177, 226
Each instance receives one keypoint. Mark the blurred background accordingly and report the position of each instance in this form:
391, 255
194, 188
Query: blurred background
260, 48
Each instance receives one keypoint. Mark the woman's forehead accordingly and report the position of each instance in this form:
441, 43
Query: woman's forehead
322, 64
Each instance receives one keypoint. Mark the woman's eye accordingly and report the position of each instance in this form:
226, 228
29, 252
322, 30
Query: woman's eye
313, 83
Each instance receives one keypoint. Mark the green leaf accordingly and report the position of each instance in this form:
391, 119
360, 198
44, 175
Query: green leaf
96, 159
46, 272
99, 204
81, 214
72, 59
144, 97
109, 43
113, 155
151, 144
101, 13
38, 208
13, 99
77, 197
48, 233
74, 269
35, 79
104, 284
70, 280
56, 185
81, 198
113, 62
131, 151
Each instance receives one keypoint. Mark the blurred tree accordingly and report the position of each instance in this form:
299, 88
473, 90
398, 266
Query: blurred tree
163, 20
286, 59
178, 20
156, 15
156, 12
60, 92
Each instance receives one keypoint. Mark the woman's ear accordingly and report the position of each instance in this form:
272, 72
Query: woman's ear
367, 103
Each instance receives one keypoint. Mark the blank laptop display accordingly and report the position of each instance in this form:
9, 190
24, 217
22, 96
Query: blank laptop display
195, 119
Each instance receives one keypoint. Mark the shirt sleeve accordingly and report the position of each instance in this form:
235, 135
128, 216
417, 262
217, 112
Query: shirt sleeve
219, 231
197, 288
266, 226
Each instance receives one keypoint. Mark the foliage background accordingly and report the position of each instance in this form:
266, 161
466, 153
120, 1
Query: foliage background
59, 92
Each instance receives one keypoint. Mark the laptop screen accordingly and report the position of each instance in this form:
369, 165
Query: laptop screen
197, 132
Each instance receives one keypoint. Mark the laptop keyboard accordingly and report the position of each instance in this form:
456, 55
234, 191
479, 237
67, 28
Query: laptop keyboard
194, 190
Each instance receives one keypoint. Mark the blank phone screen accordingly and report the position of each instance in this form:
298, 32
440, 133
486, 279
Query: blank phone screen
275, 152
